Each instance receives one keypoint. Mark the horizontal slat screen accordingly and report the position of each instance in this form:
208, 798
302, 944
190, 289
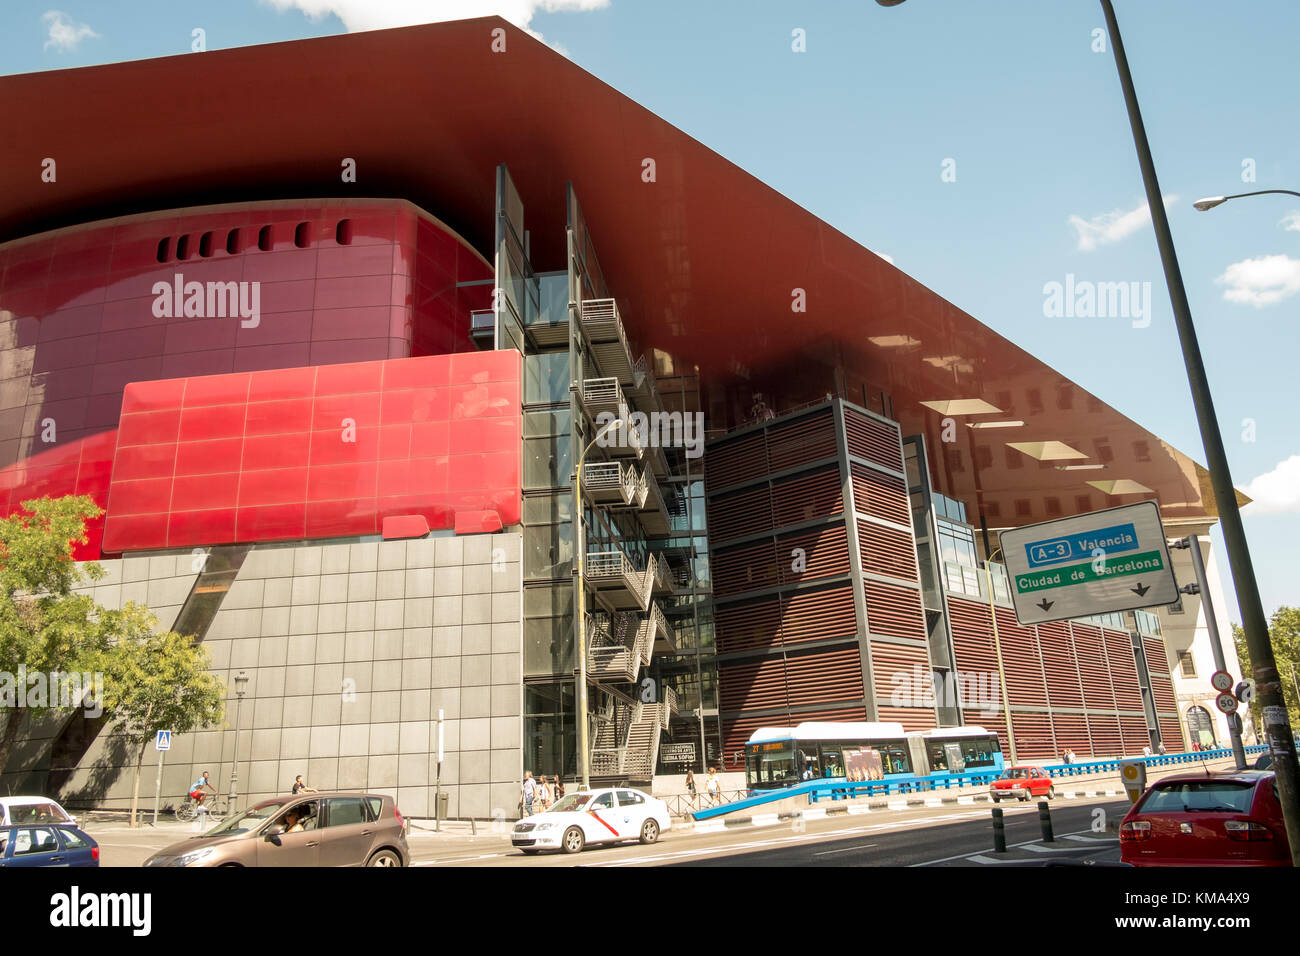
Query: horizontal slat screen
791, 618
873, 440
912, 718
901, 673
803, 497
1171, 733
1035, 740
733, 461
894, 611
887, 551
1106, 740
1134, 731
1123, 670
1023, 667
747, 625
1072, 734
1162, 685
1059, 664
738, 513
881, 495
1090, 651
807, 438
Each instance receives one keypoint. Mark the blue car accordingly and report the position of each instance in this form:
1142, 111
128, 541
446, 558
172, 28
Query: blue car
47, 844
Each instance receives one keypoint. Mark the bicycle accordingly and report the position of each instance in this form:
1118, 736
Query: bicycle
216, 805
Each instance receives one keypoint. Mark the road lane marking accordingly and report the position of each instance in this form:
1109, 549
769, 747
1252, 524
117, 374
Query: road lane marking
849, 849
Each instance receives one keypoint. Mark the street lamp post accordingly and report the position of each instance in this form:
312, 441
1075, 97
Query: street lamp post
241, 684
579, 602
1212, 201
997, 653
1267, 679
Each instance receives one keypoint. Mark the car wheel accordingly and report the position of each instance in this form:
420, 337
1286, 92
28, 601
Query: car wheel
573, 840
385, 858
649, 831
1023, 799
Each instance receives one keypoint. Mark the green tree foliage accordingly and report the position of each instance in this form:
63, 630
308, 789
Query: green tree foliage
152, 681
158, 682
1284, 635
44, 627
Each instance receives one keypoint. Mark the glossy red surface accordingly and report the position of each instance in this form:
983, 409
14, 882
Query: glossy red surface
228, 458
78, 321
703, 261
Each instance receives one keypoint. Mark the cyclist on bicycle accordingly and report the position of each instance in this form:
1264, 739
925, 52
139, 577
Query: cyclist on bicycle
196, 790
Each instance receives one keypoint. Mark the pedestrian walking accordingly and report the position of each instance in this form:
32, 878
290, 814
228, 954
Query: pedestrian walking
530, 792
713, 787
543, 797
690, 785
557, 791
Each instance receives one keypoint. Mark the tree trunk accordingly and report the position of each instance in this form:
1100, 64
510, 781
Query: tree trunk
13, 719
135, 789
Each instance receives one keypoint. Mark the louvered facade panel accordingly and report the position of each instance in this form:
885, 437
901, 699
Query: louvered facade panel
734, 461
824, 676
1134, 731
816, 553
818, 614
1059, 665
1171, 733
746, 625
802, 440
1106, 739
881, 495
803, 497
1162, 685
901, 673
972, 637
894, 611
912, 718
751, 685
1090, 651
1035, 740
1123, 670
887, 551
1020, 658
739, 513
1071, 731
873, 440
748, 567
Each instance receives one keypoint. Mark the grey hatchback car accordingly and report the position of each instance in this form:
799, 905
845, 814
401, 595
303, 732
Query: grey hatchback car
319, 829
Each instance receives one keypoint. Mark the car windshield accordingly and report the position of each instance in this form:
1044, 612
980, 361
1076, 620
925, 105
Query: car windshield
1015, 773
574, 801
250, 819
1189, 796
37, 813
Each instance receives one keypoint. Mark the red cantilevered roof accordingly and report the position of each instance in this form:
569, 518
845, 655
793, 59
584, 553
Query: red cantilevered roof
703, 260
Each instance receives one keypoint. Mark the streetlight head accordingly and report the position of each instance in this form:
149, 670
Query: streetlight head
889, 3
1210, 203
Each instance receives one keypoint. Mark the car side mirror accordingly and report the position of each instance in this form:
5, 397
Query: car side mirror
273, 832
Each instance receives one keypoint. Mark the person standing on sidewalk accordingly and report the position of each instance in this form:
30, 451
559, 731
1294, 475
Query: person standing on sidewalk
543, 794
713, 787
530, 790
690, 785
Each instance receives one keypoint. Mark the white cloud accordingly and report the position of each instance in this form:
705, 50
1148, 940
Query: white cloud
1276, 492
1291, 221
1113, 226
64, 33
886, 256
1260, 282
358, 15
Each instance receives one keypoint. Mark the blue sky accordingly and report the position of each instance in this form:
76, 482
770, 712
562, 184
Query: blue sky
858, 126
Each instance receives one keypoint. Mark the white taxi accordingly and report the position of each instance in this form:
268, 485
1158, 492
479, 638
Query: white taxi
593, 816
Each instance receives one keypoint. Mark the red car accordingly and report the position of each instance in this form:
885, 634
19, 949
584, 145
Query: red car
1193, 819
1022, 783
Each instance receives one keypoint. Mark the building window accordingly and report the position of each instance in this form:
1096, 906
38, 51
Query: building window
343, 232
183, 247
264, 239
1053, 506
164, 248
302, 235
232, 242
205, 245
1186, 666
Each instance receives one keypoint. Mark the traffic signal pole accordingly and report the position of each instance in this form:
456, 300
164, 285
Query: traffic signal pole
1264, 666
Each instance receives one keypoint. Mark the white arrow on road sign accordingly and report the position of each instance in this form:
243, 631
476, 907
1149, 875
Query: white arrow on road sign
1112, 560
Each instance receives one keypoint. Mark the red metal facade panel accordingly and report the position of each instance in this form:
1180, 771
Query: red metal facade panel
1071, 732
887, 551
901, 675
1106, 739
801, 440
894, 611
872, 440
1023, 666
1090, 650
1171, 732
1035, 739
1059, 664
881, 495
804, 556
788, 619
1123, 670
912, 718
1162, 685
316, 452
79, 318
788, 501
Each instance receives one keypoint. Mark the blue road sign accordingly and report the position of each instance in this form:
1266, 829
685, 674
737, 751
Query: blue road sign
1081, 545
163, 741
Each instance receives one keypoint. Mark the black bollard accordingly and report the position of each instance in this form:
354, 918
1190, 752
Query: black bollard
999, 834
1045, 821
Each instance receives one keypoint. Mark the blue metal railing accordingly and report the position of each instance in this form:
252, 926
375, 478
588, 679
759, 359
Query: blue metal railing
838, 789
